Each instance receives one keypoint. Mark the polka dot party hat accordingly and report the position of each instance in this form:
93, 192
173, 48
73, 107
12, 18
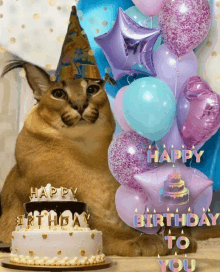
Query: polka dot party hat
77, 58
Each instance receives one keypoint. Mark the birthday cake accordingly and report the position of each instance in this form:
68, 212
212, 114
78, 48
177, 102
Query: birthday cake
54, 231
174, 191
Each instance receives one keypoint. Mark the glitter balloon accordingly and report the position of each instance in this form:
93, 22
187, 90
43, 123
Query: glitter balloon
184, 24
127, 157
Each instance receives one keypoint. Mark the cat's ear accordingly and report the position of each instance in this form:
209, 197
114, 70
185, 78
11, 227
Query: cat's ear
37, 78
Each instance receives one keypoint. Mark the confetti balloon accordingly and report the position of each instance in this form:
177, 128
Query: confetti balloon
128, 156
184, 24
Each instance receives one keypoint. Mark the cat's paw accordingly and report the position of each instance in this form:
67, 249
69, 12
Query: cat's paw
68, 119
192, 248
144, 245
91, 115
151, 245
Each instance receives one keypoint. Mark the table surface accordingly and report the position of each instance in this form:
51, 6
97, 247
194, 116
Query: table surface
207, 260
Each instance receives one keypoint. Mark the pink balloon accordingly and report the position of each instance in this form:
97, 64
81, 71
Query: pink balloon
173, 138
166, 66
149, 7
184, 24
118, 111
198, 112
127, 201
127, 156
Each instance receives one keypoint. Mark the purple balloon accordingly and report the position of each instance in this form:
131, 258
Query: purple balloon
199, 187
198, 112
184, 24
127, 156
204, 200
172, 138
127, 43
127, 201
168, 67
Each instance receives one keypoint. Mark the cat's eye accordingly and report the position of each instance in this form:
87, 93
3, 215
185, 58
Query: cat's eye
59, 93
93, 89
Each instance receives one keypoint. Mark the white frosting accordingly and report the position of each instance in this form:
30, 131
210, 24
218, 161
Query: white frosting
56, 197
59, 248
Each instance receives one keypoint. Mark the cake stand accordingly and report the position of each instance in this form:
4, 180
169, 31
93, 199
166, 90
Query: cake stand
7, 264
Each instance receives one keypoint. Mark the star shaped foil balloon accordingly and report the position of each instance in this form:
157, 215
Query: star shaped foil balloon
128, 43
152, 182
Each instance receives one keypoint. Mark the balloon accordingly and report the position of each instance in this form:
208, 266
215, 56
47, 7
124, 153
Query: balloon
204, 200
97, 17
149, 107
167, 67
184, 24
149, 7
127, 156
210, 164
172, 138
127, 201
118, 112
127, 43
198, 112
198, 186
136, 15
208, 53
118, 128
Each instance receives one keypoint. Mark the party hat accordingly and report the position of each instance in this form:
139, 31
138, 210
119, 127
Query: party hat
77, 58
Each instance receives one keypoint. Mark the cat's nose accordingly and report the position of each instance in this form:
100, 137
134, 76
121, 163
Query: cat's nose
80, 107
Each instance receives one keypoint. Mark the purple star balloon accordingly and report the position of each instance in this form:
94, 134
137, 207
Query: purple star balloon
127, 43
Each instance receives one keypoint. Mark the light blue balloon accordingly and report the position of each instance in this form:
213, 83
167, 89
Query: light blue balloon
136, 15
149, 107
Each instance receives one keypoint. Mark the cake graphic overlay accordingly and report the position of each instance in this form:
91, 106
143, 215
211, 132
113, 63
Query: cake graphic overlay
55, 232
174, 191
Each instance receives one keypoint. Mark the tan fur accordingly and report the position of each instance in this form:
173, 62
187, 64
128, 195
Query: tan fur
48, 151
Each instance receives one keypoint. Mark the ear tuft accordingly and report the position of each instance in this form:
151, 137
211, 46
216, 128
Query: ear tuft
110, 79
37, 78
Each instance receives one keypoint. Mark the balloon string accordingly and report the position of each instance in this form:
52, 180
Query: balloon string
128, 80
151, 18
145, 22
